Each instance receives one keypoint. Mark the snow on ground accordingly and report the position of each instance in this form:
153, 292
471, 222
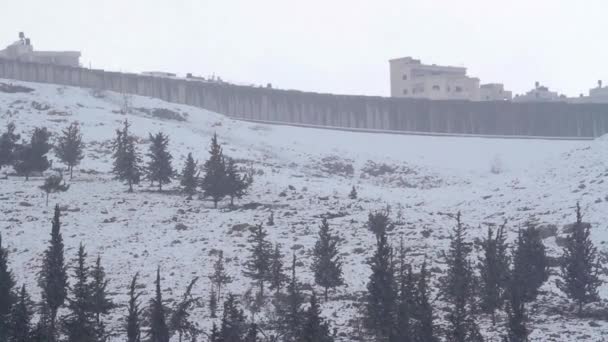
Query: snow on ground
301, 175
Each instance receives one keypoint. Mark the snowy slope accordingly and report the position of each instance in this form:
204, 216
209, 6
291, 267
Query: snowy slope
428, 178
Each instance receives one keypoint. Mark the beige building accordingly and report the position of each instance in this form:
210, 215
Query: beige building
494, 92
410, 78
23, 50
540, 94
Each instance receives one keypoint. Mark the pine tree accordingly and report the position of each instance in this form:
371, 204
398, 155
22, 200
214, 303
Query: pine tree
258, 266
126, 157
214, 180
381, 293
53, 184
79, 324
252, 333
158, 324
314, 327
53, 279
159, 167
8, 145
190, 176
494, 271
233, 327
181, 321
277, 276
378, 222
290, 311
327, 265
406, 299
219, 278
214, 335
424, 326
530, 261
70, 147
20, 326
458, 288
580, 264
133, 319
100, 303
515, 308
31, 157
353, 193
236, 185
213, 303
7, 297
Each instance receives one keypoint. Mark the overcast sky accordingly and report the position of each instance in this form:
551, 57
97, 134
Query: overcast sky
327, 45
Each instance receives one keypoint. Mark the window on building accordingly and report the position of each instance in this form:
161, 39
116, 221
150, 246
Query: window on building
458, 89
436, 87
404, 77
404, 91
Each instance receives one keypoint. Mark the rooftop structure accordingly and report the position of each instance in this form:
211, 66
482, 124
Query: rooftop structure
23, 50
540, 94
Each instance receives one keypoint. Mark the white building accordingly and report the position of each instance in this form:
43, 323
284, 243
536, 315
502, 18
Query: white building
494, 92
23, 50
410, 78
540, 94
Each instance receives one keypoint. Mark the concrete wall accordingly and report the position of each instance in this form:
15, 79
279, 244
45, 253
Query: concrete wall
562, 120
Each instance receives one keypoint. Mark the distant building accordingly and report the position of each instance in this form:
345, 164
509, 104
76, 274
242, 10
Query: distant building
494, 92
540, 94
23, 50
159, 74
410, 78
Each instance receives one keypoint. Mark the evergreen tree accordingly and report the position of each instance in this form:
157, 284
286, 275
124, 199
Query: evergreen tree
580, 264
126, 157
252, 333
214, 180
458, 288
381, 293
424, 327
258, 266
214, 335
70, 147
515, 308
133, 319
353, 193
53, 279
79, 324
277, 276
31, 157
494, 270
290, 311
53, 184
213, 303
378, 223
233, 327
219, 278
406, 300
181, 321
7, 297
159, 166
236, 185
530, 261
327, 265
20, 325
190, 176
314, 327
100, 303
8, 145
158, 324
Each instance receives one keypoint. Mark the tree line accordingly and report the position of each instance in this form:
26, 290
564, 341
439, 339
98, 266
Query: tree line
80, 289
398, 307
221, 175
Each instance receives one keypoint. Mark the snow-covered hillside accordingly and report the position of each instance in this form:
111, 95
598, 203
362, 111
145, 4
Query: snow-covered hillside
301, 175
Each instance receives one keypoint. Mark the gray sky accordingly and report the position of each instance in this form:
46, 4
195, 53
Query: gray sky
334, 46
